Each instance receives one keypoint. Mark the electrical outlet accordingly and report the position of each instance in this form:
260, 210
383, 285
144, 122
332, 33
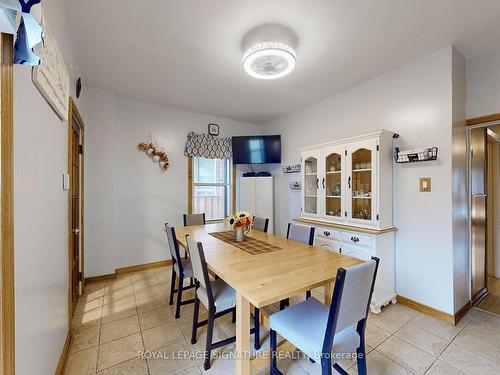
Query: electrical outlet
425, 184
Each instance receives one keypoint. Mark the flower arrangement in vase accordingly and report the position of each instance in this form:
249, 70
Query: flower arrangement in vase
241, 223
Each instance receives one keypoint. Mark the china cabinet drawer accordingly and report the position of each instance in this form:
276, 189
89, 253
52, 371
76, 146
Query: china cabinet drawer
357, 252
357, 239
327, 233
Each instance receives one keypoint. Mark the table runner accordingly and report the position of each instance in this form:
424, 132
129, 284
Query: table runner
250, 245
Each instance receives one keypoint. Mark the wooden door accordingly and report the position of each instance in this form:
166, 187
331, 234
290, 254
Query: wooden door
75, 211
75, 207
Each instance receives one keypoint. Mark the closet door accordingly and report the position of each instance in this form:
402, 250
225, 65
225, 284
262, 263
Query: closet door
333, 183
361, 182
264, 200
247, 195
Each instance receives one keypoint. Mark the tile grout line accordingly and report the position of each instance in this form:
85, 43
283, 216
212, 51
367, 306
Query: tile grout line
397, 337
128, 360
140, 325
100, 327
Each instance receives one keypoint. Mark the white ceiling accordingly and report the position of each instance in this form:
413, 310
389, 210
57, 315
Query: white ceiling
187, 53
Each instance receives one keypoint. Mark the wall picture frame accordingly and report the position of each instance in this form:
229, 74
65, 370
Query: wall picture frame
213, 129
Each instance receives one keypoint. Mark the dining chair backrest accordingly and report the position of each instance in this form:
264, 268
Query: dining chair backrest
174, 248
260, 223
199, 264
351, 298
300, 233
194, 219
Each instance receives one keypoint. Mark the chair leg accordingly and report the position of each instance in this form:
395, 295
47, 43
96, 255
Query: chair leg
308, 294
179, 297
210, 331
326, 365
361, 359
274, 364
195, 319
233, 319
284, 303
172, 287
256, 325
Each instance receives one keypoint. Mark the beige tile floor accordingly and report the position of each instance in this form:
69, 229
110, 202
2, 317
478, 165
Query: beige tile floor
118, 319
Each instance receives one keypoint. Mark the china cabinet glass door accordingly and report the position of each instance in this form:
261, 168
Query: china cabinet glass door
333, 183
310, 185
361, 181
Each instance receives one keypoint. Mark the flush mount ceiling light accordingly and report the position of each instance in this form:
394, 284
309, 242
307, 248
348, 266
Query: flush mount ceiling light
269, 60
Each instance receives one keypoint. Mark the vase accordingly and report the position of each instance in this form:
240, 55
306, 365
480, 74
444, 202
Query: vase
239, 234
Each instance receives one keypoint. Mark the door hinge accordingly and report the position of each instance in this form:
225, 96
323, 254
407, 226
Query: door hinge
377, 217
378, 148
80, 149
345, 152
79, 276
471, 153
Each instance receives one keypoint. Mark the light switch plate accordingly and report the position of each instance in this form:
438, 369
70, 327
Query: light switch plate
425, 184
65, 181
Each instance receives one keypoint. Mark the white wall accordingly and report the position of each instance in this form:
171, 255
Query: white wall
460, 200
414, 101
40, 211
128, 199
483, 85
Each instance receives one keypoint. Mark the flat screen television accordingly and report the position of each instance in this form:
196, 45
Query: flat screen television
257, 149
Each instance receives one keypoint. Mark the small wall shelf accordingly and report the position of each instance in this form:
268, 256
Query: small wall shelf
294, 168
415, 156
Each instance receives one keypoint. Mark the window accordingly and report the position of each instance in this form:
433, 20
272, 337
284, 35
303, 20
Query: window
211, 184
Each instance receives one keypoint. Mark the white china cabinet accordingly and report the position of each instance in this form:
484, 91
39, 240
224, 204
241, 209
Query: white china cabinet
342, 181
347, 197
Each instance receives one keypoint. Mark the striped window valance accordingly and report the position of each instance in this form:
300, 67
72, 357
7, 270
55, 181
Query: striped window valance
207, 146
29, 33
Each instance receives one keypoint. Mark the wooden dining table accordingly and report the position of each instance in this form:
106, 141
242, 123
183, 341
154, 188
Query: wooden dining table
262, 279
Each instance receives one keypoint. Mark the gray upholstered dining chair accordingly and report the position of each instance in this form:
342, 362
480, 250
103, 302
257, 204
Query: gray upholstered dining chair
299, 233
327, 333
194, 219
217, 297
260, 223
181, 269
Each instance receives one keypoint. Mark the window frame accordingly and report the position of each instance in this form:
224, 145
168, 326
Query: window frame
230, 201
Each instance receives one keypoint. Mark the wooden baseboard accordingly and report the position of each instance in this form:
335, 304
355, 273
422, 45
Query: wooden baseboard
461, 313
143, 267
109, 276
426, 309
129, 269
64, 355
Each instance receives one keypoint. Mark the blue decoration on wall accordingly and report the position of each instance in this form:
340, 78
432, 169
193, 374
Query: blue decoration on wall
29, 33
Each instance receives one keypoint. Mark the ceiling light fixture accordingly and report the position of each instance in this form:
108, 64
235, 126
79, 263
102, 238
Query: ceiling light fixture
269, 60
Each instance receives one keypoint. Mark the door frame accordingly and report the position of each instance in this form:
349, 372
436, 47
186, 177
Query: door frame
73, 111
7, 205
474, 123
